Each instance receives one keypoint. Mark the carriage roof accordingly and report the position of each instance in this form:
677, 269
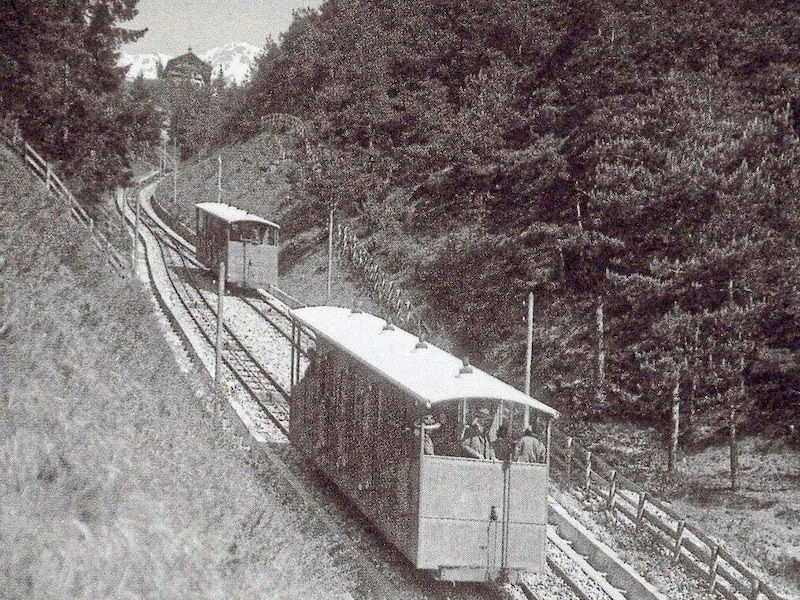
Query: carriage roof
231, 214
429, 374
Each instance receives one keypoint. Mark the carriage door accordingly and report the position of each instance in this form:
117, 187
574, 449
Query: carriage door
257, 256
524, 518
241, 253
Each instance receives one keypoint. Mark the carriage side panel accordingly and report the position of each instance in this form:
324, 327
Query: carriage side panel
212, 240
353, 428
527, 540
460, 505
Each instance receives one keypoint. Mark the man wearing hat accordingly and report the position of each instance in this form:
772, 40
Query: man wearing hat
475, 442
529, 449
427, 424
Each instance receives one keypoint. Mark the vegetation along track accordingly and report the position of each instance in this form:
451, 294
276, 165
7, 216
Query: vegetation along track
569, 577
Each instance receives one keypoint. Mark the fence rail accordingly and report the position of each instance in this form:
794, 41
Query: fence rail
53, 185
701, 554
382, 288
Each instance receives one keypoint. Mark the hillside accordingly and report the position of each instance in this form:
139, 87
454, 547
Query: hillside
114, 483
631, 164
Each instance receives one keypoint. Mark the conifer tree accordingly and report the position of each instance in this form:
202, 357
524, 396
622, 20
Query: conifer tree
58, 72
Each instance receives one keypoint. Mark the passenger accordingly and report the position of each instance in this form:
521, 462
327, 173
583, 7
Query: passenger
311, 370
427, 424
474, 442
502, 444
529, 449
446, 438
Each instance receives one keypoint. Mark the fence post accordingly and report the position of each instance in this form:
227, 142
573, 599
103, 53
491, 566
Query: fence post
640, 509
679, 542
568, 477
712, 569
612, 492
389, 291
587, 487
755, 588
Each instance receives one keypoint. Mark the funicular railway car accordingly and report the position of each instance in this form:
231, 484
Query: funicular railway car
247, 244
382, 414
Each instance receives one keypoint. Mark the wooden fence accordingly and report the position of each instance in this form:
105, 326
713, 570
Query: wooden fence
382, 289
630, 505
53, 185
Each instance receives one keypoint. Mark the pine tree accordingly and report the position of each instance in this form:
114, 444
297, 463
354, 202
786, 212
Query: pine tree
58, 72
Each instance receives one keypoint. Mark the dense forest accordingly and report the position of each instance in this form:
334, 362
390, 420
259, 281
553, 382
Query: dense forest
634, 164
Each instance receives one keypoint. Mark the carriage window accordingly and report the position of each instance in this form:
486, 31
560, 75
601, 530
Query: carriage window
252, 233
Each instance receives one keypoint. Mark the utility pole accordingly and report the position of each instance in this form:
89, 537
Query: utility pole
220, 324
175, 170
600, 389
675, 415
330, 253
528, 360
135, 257
219, 180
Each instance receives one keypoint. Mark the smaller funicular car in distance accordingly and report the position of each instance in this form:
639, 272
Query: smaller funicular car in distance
382, 414
246, 243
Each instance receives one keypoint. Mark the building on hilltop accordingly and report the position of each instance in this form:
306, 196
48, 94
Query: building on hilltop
189, 68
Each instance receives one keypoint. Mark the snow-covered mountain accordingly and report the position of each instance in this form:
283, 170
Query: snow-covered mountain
145, 65
235, 60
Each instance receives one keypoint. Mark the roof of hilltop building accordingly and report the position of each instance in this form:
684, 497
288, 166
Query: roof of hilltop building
188, 67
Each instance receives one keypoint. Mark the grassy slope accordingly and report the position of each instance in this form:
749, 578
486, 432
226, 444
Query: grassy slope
112, 483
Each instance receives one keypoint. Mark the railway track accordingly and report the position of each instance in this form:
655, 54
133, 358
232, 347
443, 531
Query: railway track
262, 385
570, 576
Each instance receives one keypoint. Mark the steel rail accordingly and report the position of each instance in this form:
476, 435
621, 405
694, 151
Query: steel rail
255, 303
240, 361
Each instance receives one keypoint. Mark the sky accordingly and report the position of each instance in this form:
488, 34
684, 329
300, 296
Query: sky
176, 25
